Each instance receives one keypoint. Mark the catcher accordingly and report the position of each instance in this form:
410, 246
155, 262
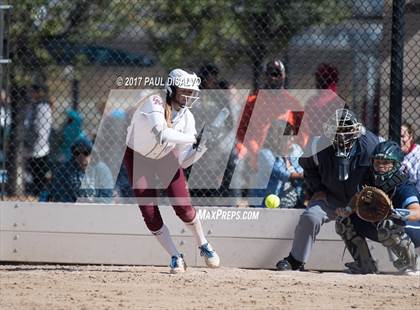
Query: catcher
386, 210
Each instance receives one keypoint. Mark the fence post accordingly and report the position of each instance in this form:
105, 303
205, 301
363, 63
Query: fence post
397, 61
4, 89
75, 93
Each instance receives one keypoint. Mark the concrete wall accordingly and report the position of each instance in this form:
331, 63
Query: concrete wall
116, 234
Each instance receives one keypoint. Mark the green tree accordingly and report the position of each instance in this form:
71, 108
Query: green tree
180, 32
185, 32
34, 25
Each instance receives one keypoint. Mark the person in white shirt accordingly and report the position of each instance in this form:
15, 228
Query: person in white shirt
38, 124
411, 163
161, 141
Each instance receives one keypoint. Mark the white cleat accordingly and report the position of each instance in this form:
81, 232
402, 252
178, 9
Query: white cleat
411, 272
177, 264
210, 256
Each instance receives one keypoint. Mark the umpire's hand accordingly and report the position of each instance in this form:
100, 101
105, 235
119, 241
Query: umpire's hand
343, 212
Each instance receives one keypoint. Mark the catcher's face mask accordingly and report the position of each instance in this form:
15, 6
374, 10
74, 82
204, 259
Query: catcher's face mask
344, 130
383, 170
383, 166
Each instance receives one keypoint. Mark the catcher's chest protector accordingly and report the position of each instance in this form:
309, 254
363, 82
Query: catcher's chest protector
390, 184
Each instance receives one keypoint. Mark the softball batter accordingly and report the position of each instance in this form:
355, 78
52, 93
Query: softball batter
161, 139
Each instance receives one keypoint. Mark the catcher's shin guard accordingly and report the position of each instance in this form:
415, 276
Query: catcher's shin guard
393, 236
357, 246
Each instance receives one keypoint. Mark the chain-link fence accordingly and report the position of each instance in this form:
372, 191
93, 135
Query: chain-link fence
66, 56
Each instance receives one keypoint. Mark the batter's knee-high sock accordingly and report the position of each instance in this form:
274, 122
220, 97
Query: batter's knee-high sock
165, 240
197, 231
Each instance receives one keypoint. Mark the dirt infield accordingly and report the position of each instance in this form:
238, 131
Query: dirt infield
127, 287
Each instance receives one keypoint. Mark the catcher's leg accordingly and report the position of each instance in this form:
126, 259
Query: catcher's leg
357, 246
412, 228
392, 235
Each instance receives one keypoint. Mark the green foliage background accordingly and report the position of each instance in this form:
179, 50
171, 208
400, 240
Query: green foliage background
180, 32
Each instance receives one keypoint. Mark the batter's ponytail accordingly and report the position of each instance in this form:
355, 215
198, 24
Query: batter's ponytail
168, 115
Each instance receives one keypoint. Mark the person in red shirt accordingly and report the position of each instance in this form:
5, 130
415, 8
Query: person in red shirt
320, 106
275, 75
261, 108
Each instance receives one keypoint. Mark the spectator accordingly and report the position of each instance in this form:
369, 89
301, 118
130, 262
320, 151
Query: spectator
275, 76
326, 77
216, 96
411, 150
72, 130
112, 132
215, 101
4, 120
251, 135
325, 102
278, 164
71, 179
209, 75
38, 124
332, 176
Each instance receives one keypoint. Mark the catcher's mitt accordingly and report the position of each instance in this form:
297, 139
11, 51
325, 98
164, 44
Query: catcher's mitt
373, 204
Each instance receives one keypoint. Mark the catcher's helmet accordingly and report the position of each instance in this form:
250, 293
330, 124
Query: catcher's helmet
343, 129
388, 150
179, 78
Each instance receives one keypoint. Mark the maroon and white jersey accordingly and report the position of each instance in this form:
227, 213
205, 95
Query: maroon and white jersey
148, 129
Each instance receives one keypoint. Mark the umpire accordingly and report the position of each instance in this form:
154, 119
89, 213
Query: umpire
332, 176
